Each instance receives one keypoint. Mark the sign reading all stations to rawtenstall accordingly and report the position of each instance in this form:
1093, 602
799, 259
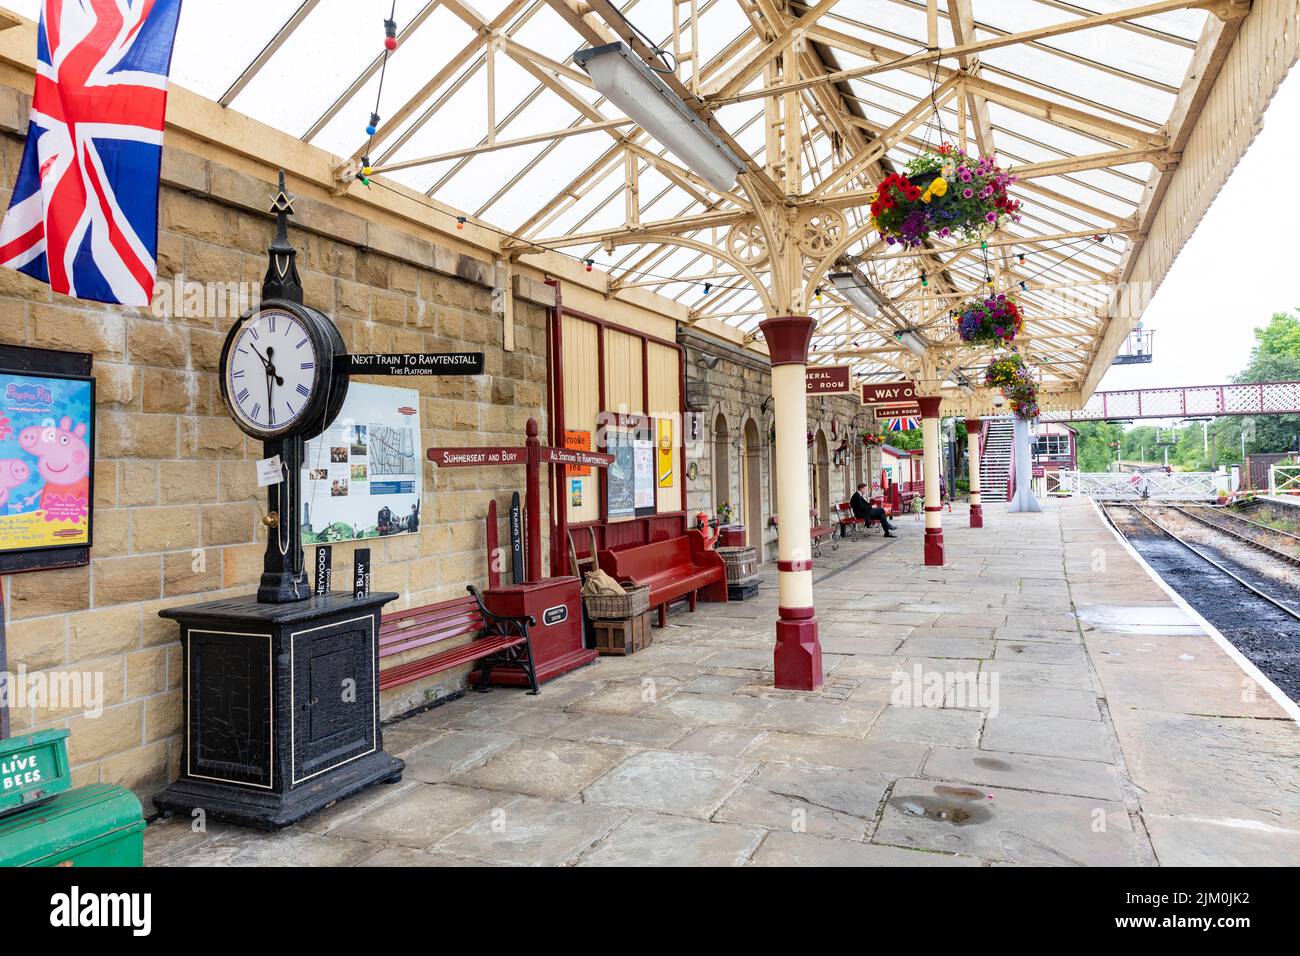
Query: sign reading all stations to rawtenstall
574, 456
417, 363
889, 393
828, 380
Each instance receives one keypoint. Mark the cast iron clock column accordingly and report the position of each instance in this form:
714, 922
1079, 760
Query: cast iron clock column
282, 687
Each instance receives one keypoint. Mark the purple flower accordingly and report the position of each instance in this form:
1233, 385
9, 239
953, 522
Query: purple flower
991, 216
944, 232
968, 192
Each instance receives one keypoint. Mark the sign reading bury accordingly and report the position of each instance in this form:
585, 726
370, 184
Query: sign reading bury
828, 380
889, 393
467, 457
417, 363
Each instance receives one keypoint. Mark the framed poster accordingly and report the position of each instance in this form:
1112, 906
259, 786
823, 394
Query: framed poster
664, 427
643, 468
362, 476
620, 478
47, 459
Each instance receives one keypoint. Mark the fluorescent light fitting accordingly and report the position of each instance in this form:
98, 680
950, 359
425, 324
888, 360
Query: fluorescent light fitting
912, 342
625, 80
861, 295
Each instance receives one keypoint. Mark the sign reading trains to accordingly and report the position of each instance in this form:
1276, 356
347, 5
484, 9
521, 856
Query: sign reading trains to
361, 477
46, 461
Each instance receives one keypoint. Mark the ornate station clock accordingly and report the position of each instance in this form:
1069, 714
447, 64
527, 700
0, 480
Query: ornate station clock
284, 376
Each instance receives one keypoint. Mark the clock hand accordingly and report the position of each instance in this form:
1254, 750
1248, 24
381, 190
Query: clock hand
270, 368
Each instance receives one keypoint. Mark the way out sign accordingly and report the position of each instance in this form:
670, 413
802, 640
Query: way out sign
889, 393
828, 380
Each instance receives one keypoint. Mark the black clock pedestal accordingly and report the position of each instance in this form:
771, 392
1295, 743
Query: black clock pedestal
284, 578
281, 707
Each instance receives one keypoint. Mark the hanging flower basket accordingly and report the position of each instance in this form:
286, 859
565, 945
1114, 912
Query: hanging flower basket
872, 439
944, 193
1016, 381
989, 321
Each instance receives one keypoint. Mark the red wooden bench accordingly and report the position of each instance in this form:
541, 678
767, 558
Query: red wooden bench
673, 568
817, 533
497, 641
850, 523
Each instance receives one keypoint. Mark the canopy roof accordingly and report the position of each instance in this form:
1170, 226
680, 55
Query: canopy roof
482, 109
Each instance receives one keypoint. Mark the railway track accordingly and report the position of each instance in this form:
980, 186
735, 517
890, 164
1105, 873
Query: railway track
1244, 530
1148, 519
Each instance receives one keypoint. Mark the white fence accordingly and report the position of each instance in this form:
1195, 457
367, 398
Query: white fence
1178, 486
1284, 478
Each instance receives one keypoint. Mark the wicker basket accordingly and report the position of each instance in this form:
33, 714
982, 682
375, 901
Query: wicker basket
634, 600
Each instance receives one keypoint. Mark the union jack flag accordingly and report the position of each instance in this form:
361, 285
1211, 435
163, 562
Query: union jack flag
905, 424
84, 212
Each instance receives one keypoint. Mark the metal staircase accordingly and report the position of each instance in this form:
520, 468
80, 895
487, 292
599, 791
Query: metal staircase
995, 461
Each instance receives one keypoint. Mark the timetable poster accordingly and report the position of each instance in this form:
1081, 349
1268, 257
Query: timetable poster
361, 477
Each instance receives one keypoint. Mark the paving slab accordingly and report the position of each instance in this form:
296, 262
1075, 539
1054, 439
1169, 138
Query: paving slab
698, 709
1182, 842
657, 839
1015, 826
895, 758
622, 731
1080, 778
929, 725
453, 753
1048, 737
818, 717
544, 767
806, 849
690, 784
723, 741
529, 831
835, 803
420, 817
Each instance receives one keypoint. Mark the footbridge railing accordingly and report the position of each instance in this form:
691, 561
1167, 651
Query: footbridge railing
1158, 486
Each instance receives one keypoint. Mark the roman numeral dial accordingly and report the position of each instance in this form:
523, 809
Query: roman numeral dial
270, 375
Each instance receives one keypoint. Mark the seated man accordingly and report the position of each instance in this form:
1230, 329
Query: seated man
864, 509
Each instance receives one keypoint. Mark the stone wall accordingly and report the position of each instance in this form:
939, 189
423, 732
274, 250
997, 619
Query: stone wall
178, 514
722, 379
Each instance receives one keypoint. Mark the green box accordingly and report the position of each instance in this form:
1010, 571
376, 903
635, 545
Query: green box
33, 767
98, 825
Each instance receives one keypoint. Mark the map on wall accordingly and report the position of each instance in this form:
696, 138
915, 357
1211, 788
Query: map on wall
361, 477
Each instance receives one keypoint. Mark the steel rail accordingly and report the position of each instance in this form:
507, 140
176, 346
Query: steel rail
1244, 538
1208, 560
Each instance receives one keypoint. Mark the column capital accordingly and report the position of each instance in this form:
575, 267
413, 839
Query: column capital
929, 405
974, 425
788, 338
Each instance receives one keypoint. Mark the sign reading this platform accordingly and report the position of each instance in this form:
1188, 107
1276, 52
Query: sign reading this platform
417, 363
828, 380
889, 393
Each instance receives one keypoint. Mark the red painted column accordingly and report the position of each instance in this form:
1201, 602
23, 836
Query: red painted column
797, 660
973, 428
933, 504
533, 503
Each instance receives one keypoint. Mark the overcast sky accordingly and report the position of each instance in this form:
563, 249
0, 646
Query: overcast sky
1235, 271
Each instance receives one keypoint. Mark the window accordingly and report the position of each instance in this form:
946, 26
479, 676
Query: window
1052, 446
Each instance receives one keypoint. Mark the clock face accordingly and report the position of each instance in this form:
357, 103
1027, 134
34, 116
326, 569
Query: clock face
271, 372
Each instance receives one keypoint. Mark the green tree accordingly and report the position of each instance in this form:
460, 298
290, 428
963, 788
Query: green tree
1275, 358
1094, 451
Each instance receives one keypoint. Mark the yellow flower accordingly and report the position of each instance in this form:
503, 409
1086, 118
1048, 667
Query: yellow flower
939, 186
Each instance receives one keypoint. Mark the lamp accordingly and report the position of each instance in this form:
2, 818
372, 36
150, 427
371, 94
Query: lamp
912, 342
626, 81
857, 291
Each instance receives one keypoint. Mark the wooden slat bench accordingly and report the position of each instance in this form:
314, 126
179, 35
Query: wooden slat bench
817, 533
850, 523
497, 641
673, 568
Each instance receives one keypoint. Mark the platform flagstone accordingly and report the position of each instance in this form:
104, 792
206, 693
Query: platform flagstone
1110, 730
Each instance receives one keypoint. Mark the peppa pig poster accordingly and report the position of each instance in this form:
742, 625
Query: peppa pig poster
46, 461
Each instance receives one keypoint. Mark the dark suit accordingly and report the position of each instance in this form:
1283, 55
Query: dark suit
864, 509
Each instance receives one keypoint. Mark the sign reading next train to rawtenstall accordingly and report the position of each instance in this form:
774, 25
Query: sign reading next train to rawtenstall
417, 363
889, 393
829, 380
